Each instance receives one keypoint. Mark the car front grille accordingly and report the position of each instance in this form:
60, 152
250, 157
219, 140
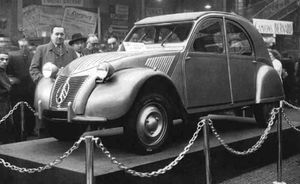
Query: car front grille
74, 85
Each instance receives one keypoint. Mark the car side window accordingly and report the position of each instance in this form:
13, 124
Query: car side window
238, 42
209, 38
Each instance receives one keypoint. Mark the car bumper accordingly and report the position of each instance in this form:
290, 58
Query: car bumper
66, 115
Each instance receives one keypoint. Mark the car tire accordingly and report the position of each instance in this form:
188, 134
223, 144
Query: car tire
262, 113
63, 131
149, 123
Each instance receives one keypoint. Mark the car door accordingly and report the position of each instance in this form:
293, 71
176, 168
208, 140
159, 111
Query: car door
241, 61
206, 67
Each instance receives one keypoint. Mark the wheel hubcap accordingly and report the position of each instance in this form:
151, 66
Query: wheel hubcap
152, 124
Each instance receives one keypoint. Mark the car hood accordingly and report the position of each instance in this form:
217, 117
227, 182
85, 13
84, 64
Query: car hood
119, 60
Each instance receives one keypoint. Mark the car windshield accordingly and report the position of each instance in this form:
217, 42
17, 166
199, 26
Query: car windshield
160, 34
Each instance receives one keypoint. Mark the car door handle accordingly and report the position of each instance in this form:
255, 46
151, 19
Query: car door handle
187, 58
254, 61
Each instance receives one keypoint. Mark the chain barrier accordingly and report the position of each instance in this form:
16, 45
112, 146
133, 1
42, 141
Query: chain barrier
290, 105
290, 122
47, 166
257, 145
10, 112
286, 117
29, 107
14, 109
100, 145
160, 171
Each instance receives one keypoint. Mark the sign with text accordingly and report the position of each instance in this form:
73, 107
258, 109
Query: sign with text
273, 26
37, 20
63, 3
79, 21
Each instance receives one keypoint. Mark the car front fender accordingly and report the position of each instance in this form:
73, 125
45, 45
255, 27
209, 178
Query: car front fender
43, 93
114, 98
269, 86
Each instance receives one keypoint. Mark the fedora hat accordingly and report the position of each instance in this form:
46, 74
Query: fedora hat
77, 37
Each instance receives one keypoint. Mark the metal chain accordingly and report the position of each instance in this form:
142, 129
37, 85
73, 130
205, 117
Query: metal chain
14, 109
100, 145
257, 145
10, 112
47, 166
290, 122
287, 119
29, 107
290, 105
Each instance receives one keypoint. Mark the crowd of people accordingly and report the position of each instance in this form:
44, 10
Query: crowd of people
22, 69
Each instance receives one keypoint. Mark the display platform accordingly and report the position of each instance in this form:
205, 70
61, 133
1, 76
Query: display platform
239, 133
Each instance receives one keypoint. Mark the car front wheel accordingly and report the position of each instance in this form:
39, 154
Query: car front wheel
149, 123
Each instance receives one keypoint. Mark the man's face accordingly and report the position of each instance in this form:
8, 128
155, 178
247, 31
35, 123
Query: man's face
92, 43
112, 44
78, 46
3, 61
58, 35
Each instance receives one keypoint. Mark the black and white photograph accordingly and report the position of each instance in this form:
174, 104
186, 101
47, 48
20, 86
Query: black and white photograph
149, 91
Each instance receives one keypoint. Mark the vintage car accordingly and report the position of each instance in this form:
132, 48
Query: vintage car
169, 67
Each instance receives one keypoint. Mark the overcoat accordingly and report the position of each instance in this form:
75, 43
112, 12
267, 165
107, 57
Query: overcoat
49, 53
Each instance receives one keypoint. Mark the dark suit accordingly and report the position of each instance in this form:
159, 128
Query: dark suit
19, 63
50, 53
18, 67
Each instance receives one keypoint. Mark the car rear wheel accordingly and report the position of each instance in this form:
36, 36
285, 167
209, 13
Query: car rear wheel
262, 113
65, 131
149, 123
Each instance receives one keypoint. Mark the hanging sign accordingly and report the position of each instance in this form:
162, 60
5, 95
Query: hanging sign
78, 3
274, 27
79, 21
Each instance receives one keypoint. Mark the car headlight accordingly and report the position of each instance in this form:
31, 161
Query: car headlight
104, 71
49, 70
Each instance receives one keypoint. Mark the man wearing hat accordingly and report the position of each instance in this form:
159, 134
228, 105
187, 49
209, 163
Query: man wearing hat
78, 43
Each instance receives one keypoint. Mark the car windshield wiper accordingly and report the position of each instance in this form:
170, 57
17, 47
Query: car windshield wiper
167, 37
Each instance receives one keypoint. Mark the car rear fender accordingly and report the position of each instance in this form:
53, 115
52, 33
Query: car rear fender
268, 85
114, 98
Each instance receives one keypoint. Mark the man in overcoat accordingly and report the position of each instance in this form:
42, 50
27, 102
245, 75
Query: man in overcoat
54, 52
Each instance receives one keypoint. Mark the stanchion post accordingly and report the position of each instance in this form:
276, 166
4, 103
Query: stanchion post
206, 153
89, 159
22, 135
279, 160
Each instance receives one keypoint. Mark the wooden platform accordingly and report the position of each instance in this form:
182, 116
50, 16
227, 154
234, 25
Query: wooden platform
240, 133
